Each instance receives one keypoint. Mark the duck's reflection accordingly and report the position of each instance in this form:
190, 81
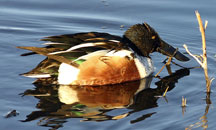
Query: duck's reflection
57, 103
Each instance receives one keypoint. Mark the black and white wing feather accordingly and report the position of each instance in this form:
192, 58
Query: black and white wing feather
66, 48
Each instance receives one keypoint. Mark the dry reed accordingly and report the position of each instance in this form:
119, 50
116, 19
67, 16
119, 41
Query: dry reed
203, 60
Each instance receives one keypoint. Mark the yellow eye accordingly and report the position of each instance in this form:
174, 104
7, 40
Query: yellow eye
153, 37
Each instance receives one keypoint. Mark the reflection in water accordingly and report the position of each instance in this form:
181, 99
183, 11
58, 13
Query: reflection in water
203, 121
92, 103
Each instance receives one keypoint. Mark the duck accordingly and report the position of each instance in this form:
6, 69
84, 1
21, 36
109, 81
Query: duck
98, 58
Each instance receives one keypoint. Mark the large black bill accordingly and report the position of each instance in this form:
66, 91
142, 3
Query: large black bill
168, 50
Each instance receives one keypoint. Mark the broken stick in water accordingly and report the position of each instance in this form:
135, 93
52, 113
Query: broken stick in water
202, 62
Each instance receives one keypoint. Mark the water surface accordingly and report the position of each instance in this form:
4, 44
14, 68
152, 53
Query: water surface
23, 23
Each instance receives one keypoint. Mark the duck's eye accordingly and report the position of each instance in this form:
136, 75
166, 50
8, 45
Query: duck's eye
153, 37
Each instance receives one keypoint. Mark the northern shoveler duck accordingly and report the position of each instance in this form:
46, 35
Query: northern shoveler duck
94, 58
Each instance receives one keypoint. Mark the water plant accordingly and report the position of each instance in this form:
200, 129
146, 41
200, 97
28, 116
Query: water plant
202, 59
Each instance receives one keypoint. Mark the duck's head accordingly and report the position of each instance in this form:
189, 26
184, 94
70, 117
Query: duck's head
147, 40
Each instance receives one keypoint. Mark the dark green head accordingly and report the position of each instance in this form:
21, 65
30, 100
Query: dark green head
147, 40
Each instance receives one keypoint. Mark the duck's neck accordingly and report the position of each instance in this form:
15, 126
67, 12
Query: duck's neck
133, 46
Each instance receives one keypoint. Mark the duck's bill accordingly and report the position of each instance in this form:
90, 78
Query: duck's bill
168, 50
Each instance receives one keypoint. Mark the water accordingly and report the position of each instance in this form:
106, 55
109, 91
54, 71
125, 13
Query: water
23, 23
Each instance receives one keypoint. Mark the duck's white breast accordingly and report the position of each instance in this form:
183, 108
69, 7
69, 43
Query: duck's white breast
144, 65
